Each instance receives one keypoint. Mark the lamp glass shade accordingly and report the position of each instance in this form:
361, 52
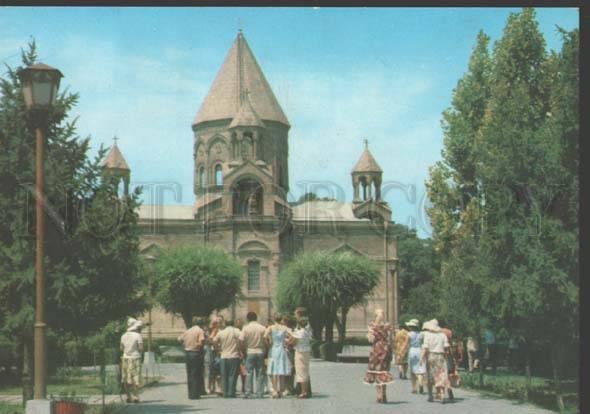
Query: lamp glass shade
40, 84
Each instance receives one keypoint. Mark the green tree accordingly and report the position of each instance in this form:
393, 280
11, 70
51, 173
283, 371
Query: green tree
91, 237
418, 269
505, 217
193, 281
456, 194
328, 285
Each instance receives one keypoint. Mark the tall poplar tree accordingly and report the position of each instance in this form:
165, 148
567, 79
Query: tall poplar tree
456, 195
513, 234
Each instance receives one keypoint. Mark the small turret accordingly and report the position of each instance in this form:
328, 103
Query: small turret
368, 174
115, 165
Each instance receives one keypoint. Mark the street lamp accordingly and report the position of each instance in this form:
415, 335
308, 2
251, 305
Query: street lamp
149, 359
39, 85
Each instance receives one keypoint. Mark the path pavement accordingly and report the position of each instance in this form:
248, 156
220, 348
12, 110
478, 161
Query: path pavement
337, 388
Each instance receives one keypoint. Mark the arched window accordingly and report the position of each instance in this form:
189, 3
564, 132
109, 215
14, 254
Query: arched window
218, 175
202, 177
253, 275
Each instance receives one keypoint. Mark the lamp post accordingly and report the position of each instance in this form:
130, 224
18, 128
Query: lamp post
149, 360
39, 85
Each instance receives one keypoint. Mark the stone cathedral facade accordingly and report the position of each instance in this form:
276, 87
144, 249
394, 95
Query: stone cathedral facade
241, 181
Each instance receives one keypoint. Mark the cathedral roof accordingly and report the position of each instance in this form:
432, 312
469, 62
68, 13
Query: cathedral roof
240, 73
115, 159
320, 210
166, 212
366, 162
246, 116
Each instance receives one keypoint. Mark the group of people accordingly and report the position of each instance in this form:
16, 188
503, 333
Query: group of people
429, 355
227, 350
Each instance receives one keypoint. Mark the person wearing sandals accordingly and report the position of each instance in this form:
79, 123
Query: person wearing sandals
278, 360
302, 337
132, 348
379, 336
417, 369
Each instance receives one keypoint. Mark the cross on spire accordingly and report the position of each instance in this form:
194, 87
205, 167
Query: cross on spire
115, 139
366, 141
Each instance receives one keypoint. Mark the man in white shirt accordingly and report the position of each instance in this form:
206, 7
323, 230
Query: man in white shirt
229, 341
252, 342
132, 347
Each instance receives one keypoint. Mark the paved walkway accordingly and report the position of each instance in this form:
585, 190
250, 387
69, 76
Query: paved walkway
337, 388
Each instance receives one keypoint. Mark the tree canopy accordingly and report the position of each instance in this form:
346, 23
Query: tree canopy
91, 235
505, 195
91, 239
328, 285
418, 270
195, 281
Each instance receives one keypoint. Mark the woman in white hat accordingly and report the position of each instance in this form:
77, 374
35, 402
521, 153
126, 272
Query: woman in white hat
417, 369
380, 356
132, 348
434, 350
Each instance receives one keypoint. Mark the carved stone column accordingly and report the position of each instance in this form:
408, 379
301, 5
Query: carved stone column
394, 298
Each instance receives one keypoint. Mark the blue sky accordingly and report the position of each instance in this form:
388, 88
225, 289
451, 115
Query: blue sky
340, 74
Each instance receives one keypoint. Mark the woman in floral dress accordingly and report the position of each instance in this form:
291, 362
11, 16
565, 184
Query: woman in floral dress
434, 350
380, 356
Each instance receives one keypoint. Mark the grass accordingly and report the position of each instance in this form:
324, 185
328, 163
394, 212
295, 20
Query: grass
11, 408
82, 385
74, 382
512, 386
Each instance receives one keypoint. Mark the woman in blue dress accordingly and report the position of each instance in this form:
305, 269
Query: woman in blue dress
417, 369
279, 366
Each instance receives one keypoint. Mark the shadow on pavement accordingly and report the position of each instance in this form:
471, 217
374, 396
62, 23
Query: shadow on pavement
455, 400
161, 408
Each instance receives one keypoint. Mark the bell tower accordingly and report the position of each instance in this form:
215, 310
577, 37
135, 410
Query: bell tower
115, 166
240, 142
366, 183
241, 175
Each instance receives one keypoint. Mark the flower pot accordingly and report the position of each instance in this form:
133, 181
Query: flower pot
68, 407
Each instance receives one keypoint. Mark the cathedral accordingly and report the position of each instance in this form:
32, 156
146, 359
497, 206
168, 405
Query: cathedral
241, 181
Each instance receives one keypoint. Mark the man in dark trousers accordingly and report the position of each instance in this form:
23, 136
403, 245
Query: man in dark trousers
228, 339
193, 340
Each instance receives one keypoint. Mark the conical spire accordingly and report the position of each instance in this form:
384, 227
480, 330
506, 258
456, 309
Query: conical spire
366, 162
240, 72
115, 159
